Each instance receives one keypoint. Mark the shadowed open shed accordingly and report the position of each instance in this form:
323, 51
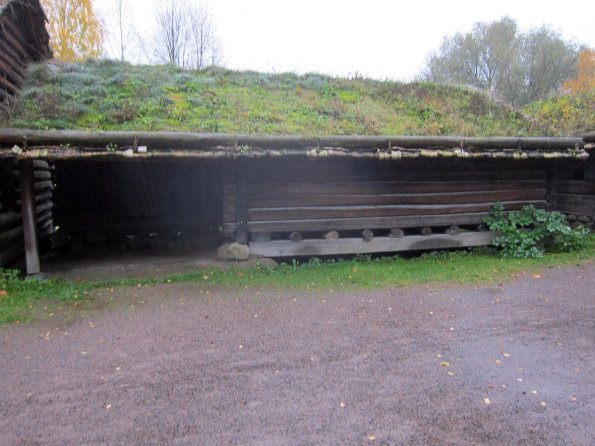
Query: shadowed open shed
272, 196
287, 196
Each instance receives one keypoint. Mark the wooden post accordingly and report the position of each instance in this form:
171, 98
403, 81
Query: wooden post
28, 212
241, 204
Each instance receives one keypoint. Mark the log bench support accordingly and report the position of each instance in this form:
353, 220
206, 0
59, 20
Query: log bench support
320, 247
29, 218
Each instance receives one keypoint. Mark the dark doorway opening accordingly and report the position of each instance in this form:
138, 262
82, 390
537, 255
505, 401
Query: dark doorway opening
159, 205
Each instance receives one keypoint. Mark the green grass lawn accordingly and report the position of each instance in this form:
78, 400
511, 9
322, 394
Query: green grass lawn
20, 297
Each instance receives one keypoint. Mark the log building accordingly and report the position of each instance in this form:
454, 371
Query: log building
281, 196
291, 196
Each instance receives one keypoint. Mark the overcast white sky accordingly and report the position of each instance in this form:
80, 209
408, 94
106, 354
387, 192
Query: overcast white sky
377, 38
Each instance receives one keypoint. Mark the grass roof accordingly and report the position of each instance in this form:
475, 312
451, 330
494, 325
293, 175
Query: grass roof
109, 95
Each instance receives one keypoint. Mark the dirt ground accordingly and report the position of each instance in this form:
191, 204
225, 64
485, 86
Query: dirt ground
101, 265
185, 364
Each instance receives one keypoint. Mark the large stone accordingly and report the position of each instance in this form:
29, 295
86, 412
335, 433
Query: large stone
234, 251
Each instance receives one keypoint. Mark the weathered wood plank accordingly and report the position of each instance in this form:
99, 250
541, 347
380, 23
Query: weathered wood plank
280, 214
388, 187
43, 196
41, 165
43, 206
576, 187
576, 204
282, 248
323, 199
41, 185
359, 223
37, 174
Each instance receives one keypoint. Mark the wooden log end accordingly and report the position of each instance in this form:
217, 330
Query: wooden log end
331, 235
397, 233
426, 230
295, 237
368, 235
482, 228
453, 230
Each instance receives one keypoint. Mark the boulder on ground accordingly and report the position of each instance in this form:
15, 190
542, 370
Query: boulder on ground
234, 251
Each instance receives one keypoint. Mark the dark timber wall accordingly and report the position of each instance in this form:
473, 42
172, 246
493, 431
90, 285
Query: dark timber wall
287, 195
11, 224
575, 188
23, 39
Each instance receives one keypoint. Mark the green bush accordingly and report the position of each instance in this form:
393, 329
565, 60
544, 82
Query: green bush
530, 232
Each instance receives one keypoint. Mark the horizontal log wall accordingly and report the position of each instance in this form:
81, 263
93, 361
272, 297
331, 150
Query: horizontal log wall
345, 195
11, 224
23, 39
575, 188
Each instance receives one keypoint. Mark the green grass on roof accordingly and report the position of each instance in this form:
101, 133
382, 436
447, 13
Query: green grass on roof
109, 95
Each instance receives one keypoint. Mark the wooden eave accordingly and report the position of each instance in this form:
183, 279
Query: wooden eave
53, 144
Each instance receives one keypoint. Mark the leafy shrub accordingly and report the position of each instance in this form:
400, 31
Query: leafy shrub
530, 232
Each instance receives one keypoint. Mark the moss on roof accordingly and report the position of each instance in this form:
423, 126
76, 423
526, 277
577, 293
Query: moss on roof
108, 95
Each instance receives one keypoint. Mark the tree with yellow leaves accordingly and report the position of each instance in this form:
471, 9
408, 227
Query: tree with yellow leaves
75, 31
585, 76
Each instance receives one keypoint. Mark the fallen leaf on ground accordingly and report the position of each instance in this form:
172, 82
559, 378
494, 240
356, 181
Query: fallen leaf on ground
3, 293
487, 401
444, 364
342, 405
371, 437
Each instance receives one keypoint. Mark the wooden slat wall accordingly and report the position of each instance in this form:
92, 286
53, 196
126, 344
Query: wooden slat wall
286, 195
11, 224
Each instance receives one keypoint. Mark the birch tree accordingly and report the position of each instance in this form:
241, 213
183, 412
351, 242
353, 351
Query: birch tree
75, 31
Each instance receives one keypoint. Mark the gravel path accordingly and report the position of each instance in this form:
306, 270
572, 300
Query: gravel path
186, 364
